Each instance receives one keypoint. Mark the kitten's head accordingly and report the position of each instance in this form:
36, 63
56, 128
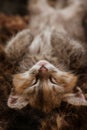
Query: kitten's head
43, 87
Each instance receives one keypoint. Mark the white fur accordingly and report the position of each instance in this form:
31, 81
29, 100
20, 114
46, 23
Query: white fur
41, 42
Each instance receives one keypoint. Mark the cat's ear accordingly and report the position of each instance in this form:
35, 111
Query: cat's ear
76, 99
16, 101
17, 98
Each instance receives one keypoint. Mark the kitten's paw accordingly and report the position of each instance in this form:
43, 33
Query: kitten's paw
19, 44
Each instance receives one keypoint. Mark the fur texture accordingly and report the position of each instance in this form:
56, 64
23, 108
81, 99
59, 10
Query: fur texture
46, 61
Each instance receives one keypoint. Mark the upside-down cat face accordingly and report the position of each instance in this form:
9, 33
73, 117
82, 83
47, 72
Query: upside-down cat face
42, 87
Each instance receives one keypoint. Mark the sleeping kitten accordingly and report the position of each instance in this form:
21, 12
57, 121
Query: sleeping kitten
49, 57
51, 48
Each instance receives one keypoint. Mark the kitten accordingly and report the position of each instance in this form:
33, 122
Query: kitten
48, 58
51, 48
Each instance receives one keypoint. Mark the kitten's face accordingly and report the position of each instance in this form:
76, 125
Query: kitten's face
42, 87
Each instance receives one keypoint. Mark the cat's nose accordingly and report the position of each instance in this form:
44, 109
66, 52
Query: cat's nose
42, 65
43, 69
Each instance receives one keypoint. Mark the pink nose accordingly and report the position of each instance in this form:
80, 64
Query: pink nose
43, 69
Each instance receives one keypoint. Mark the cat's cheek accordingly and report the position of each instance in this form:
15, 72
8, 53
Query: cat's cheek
70, 82
59, 89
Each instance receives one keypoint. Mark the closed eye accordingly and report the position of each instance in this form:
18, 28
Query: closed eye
52, 80
34, 81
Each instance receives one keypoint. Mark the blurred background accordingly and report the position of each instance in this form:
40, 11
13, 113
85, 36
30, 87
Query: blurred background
15, 15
